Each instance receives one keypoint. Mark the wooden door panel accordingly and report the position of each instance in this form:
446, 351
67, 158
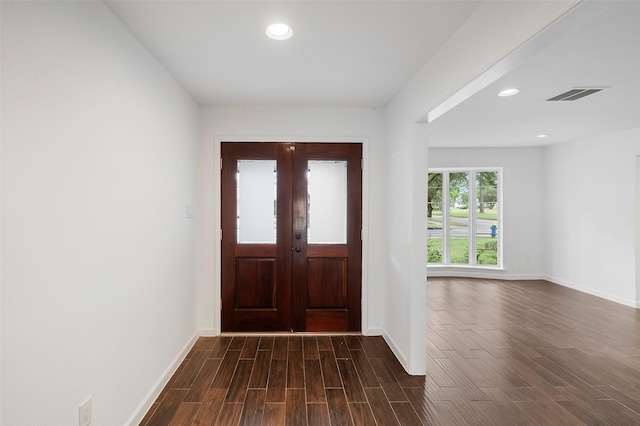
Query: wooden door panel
327, 282
255, 283
290, 284
255, 277
326, 287
327, 320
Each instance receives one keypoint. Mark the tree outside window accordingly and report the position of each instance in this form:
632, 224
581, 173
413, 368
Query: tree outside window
463, 217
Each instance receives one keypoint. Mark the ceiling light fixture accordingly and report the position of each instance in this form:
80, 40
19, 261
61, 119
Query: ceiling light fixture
279, 31
542, 136
508, 92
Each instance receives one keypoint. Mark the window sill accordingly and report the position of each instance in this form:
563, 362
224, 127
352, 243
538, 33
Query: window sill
469, 268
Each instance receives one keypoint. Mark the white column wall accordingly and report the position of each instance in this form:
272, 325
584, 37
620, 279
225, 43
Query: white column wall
590, 215
98, 165
493, 31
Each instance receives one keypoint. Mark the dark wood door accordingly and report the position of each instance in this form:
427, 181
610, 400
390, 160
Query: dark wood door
296, 267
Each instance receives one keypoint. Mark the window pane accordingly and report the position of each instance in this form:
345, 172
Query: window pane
487, 218
257, 193
459, 218
434, 219
327, 202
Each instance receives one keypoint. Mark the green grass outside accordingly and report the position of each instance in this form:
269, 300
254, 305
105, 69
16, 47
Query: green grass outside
486, 251
488, 214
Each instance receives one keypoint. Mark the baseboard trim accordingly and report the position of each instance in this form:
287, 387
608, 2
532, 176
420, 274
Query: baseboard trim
373, 331
396, 350
477, 273
601, 294
153, 394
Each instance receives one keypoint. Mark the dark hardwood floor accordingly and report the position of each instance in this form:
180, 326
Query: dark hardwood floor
498, 353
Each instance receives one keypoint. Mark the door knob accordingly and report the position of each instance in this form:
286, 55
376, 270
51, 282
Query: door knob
298, 235
298, 249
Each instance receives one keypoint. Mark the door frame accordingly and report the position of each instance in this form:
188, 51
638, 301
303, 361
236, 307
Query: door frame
218, 217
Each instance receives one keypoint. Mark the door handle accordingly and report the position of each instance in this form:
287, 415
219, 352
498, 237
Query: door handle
298, 249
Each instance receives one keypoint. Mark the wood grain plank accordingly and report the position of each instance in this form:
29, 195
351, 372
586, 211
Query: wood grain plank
274, 414
203, 380
240, 381
338, 407
277, 381
260, 373
295, 370
210, 408
340, 347
220, 347
229, 414
318, 414
365, 371
250, 347
296, 408
185, 414
168, 407
226, 370
330, 372
310, 345
381, 408
361, 414
388, 382
406, 414
253, 407
351, 382
280, 348
313, 381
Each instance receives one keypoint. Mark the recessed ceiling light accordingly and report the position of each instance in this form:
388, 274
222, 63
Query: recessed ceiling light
279, 31
542, 136
508, 92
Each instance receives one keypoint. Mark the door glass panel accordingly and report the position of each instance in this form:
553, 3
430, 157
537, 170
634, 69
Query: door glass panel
327, 202
257, 195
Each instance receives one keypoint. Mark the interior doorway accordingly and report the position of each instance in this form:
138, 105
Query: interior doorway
291, 236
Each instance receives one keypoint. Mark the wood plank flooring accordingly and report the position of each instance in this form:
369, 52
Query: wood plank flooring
498, 353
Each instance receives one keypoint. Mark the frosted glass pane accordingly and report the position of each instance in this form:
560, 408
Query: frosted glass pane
257, 194
327, 202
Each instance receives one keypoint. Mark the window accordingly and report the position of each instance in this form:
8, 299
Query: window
464, 216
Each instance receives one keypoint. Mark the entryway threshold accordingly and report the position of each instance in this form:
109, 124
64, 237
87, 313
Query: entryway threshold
289, 333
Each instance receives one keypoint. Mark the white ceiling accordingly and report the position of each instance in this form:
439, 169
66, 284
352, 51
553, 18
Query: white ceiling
361, 53
605, 52
342, 53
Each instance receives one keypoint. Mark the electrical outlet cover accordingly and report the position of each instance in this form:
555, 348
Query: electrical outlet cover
85, 413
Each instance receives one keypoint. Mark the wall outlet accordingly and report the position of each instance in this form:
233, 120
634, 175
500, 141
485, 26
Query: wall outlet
84, 418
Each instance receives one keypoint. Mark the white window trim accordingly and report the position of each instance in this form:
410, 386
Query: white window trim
472, 219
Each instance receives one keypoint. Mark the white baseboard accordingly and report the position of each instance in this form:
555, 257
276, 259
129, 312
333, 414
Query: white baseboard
481, 273
593, 292
396, 351
153, 394
373, 331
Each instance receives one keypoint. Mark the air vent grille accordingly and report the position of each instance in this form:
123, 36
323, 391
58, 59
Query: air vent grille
574, 94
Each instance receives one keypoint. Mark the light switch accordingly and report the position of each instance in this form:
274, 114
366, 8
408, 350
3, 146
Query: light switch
189, 211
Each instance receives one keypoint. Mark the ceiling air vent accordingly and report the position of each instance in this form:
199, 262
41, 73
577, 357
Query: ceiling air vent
574, 94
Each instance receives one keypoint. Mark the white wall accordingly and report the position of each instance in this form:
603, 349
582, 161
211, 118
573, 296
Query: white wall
590, 215
523, 206
291, 124
493, 31
98, 162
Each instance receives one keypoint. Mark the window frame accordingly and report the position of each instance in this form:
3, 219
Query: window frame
445, 201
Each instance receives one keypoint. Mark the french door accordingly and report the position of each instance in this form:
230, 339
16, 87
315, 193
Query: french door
291, 236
